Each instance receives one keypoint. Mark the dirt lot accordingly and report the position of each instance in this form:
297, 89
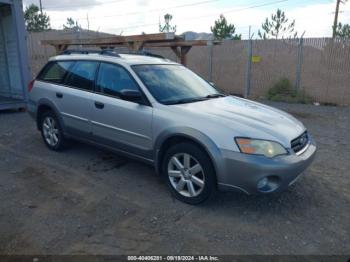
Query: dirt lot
87, 201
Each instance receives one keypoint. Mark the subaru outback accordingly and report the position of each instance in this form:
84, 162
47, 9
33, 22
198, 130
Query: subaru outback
160, 112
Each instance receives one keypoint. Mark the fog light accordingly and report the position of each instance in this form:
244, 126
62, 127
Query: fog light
262, 183
268, 184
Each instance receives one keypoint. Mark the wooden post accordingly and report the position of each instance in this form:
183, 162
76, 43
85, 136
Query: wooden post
184, 51
135, 46
181, 53
60, 48
176, 51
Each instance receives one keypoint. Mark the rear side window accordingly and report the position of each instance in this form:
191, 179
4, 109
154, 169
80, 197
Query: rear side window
54, 72
82, 75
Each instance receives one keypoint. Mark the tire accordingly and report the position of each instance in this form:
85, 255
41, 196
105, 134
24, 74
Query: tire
189, 173
51, 131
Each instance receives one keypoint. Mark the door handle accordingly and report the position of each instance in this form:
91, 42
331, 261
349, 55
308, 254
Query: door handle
99, 105
59, 95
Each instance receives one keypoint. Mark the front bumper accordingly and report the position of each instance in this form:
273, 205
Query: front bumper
242, 172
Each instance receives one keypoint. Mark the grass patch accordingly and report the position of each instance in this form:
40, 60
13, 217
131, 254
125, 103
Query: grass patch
283, 91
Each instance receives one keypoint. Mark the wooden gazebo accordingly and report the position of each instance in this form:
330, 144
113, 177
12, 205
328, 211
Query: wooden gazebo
134, 43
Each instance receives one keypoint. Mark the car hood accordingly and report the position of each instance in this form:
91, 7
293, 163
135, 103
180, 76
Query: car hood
248, 118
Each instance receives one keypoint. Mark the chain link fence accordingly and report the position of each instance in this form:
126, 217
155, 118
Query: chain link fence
319, 67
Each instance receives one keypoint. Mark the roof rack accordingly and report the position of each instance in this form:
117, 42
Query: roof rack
144, 53
108, 52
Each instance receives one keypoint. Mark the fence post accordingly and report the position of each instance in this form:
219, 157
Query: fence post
248, 69
210, 65
299, 64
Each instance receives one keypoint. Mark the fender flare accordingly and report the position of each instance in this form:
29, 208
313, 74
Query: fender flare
192, 134
52, 106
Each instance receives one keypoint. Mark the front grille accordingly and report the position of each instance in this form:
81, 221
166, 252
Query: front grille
300, 142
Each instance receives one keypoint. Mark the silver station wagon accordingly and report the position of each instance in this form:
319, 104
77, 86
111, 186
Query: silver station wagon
160, 112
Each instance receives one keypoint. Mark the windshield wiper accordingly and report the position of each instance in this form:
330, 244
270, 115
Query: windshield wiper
215, 95
193, 99
185, 100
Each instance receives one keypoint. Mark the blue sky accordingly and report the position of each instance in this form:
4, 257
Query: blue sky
135, 16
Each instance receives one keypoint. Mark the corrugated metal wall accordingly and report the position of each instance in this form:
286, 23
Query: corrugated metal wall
4, 74
9, 40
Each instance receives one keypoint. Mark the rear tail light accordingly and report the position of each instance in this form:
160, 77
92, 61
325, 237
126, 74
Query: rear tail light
30, 85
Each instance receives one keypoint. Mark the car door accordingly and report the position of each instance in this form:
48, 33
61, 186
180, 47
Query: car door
125, 125
76, 97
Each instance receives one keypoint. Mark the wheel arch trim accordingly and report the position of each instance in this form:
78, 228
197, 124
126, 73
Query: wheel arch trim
46, 102
190, 134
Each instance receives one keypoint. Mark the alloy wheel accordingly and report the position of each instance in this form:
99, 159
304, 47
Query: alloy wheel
50, 131
186, 175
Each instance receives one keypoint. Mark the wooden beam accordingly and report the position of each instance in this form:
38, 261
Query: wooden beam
113, 40
135, 43
177, 43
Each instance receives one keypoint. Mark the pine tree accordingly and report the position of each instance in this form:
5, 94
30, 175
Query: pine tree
36, 21
71, 24
222, 30
278, 27
343, 31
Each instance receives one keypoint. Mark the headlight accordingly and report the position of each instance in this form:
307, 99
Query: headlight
260, 147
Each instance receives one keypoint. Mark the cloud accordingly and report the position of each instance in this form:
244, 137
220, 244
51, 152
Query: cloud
134, 17
63, 5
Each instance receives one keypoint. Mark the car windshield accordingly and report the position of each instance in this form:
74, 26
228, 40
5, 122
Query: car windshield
174, 84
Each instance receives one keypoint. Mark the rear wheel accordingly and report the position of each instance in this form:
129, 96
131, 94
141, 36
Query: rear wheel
189, 173
51, 131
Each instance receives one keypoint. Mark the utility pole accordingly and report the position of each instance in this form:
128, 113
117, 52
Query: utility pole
336, 18
41, 7
335, 24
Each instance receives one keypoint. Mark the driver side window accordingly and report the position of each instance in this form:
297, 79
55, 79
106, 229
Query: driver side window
112, 79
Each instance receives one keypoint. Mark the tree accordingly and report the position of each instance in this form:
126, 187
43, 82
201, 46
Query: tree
36, 21
222, 30
277, 27
342, 31
71, 24
166, 28
335, 23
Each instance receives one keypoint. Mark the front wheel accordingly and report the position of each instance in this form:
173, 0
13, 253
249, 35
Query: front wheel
189, 173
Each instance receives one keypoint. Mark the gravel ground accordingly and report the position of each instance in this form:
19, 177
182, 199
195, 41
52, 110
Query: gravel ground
88, 201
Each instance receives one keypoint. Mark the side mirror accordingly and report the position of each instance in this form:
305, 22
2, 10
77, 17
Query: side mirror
131, 95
